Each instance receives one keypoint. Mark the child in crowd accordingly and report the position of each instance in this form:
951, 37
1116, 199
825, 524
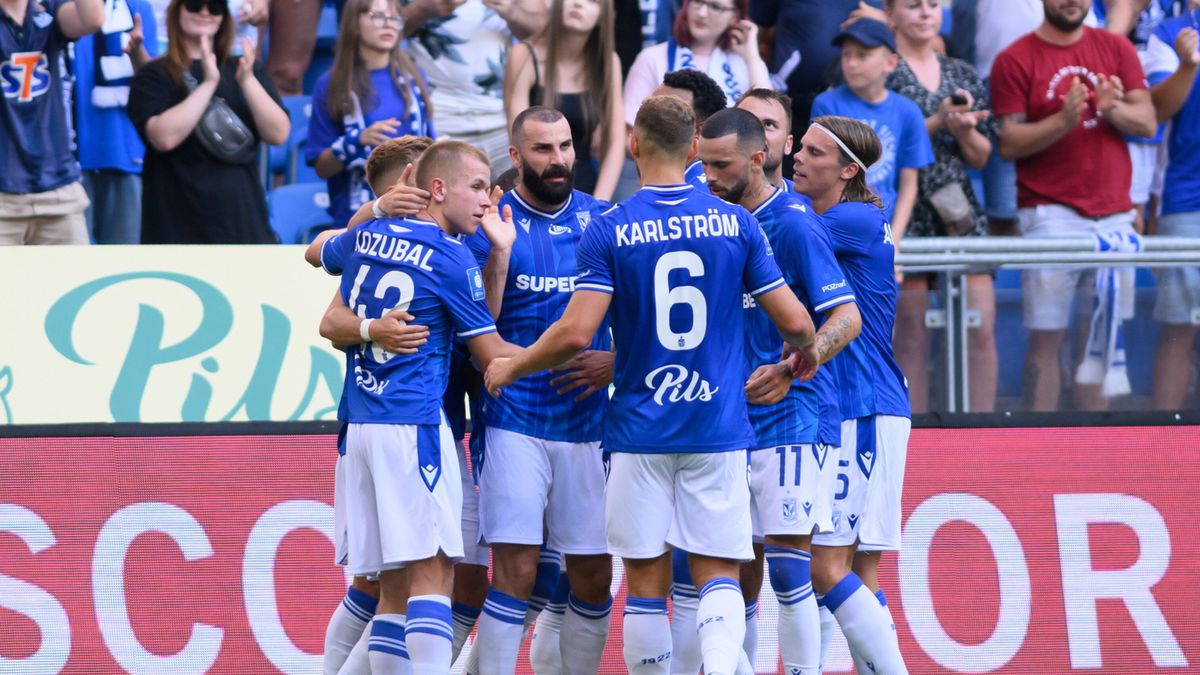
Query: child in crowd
868, 57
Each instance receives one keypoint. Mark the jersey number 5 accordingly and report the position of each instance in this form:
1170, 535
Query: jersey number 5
666, 297
396, 279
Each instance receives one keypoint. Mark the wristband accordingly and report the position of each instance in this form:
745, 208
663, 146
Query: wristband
364, 330
376, 210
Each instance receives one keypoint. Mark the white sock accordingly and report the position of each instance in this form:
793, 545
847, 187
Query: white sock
387, 650
472, 667
345, 627
428, 634
358, 662
721, 625
465, 617
750, 642
866, 625
790, 570
545, 655
828, 623
647, 647
584, 634
860, 664
685, 602
501, 630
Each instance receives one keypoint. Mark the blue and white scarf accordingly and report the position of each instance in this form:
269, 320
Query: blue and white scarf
113, 69
719, 68
1104, 359
353, 154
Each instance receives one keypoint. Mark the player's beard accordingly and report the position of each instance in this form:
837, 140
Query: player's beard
734, 193
546, 192
1061, 22
772, 162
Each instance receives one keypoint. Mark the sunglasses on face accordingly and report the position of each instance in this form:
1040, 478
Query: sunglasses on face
215, 7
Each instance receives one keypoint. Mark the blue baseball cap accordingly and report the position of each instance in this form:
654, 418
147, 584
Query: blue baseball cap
869, 33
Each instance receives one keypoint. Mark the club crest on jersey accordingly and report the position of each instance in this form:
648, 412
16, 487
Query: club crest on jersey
584, 218
790, 514
25, 76
676, 383
475, 279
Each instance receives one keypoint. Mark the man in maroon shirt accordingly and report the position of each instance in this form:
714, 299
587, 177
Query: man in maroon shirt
1066, 95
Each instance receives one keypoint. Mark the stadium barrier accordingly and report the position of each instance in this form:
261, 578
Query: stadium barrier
952, 258
206, 548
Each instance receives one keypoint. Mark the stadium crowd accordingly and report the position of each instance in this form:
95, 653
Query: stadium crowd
479, 160
131, 121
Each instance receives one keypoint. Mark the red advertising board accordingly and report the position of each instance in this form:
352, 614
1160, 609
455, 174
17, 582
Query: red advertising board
1026, 551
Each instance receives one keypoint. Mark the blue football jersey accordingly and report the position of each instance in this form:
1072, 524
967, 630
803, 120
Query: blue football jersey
406, 264
676, 261
869, 380
805, 255
541, 277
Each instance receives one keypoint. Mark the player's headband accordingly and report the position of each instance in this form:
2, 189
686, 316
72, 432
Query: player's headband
845, 148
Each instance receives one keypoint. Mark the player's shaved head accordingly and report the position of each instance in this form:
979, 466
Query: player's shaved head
743, 123
444, 160
537, 113
665, 126
388, 159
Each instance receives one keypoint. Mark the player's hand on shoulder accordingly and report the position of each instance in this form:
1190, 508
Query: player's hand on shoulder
769, 383
591, 370
804, 362
403, 198
394, 333
497, 225
499, 375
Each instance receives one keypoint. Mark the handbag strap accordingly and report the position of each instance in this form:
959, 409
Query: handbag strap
190, 80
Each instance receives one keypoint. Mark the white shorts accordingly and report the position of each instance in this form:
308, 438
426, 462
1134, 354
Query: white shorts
791, 489
340, 545
699, 502
403, 495
475, 552
1047, 293
870, 479
530, 486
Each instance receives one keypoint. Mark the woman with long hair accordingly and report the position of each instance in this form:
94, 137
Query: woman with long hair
831, 170
712, 36
573, 68
372, 93
954, 100
190, 194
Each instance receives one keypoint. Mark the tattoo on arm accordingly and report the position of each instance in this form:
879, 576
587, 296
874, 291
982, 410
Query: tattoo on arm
832, 337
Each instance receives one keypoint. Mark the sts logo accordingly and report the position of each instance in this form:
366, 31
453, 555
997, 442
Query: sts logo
25, 76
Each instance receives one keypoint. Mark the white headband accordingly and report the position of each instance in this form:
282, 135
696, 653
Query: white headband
846, 149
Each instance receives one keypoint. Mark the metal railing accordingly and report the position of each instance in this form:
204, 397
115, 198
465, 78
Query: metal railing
952, 258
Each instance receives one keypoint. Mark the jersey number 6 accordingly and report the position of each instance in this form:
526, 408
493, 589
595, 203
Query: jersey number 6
665, 298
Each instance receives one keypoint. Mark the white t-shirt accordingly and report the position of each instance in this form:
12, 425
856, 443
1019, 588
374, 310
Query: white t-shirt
998, 24
462, 57
651, 64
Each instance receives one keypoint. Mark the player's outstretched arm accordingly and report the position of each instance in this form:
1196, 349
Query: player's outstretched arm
842, 324
489, 347
392, 332
795, 325
566, 337
590, 370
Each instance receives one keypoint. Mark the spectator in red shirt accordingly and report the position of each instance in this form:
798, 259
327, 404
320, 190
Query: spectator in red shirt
1066, 95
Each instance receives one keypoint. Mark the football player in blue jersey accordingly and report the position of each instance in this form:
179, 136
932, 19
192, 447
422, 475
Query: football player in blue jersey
830, 168
345, 639
774, 110
542, 474
792, 466
671, 264
403, 492
705, 96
